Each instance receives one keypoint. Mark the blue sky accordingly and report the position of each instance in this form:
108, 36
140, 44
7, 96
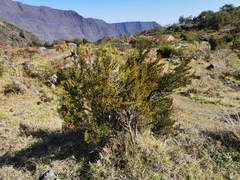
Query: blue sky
162, 11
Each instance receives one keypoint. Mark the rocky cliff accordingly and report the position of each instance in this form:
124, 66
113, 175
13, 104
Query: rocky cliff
51, 24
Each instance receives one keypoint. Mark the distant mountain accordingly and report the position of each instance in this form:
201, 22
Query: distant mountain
51, 24
133, 27
16, 37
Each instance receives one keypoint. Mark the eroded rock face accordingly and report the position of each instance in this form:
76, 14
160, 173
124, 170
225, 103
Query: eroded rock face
52, 24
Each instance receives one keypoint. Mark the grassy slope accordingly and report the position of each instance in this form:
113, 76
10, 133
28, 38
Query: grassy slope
32, 140
14, 36
22, 114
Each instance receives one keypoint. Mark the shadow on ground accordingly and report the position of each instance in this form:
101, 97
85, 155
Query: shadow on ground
50, 146
227, 138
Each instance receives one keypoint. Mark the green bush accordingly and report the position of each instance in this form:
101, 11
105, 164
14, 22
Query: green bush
166, 51
216, 42
228, 38
1, 68
190, 36
140, 43
106, 97
62, 46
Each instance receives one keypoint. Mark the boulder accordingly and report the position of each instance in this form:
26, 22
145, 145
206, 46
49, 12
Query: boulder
230, 84
48, 175
22, 88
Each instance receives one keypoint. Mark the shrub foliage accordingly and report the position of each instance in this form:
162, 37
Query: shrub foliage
105, 97
166, 51
216, 42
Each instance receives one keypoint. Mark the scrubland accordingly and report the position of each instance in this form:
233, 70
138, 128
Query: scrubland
34, 138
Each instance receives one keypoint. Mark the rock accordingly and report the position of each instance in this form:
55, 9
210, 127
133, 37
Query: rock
212, 66
230, 84
210, 56
48, 175
53, 79
43, 49
22, 87
7, 58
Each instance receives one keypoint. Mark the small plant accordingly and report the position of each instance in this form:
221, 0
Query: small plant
15, 87
29, 70
1, 68
221, 156
12, 88
228, 38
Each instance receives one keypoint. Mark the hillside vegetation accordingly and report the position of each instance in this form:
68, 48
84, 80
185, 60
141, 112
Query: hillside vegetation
16, 37
125, 108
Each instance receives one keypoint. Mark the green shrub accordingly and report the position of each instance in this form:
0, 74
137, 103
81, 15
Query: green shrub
107, 97
140, 43
62, 46
228, 38
216, 42
1, 68
190, 36
166, 51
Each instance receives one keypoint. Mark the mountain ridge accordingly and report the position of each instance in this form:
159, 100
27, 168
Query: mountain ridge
53, 24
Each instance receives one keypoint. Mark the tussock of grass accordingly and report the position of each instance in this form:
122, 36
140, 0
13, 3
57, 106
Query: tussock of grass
165, 158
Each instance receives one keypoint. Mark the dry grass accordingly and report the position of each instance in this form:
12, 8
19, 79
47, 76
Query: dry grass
29, 109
